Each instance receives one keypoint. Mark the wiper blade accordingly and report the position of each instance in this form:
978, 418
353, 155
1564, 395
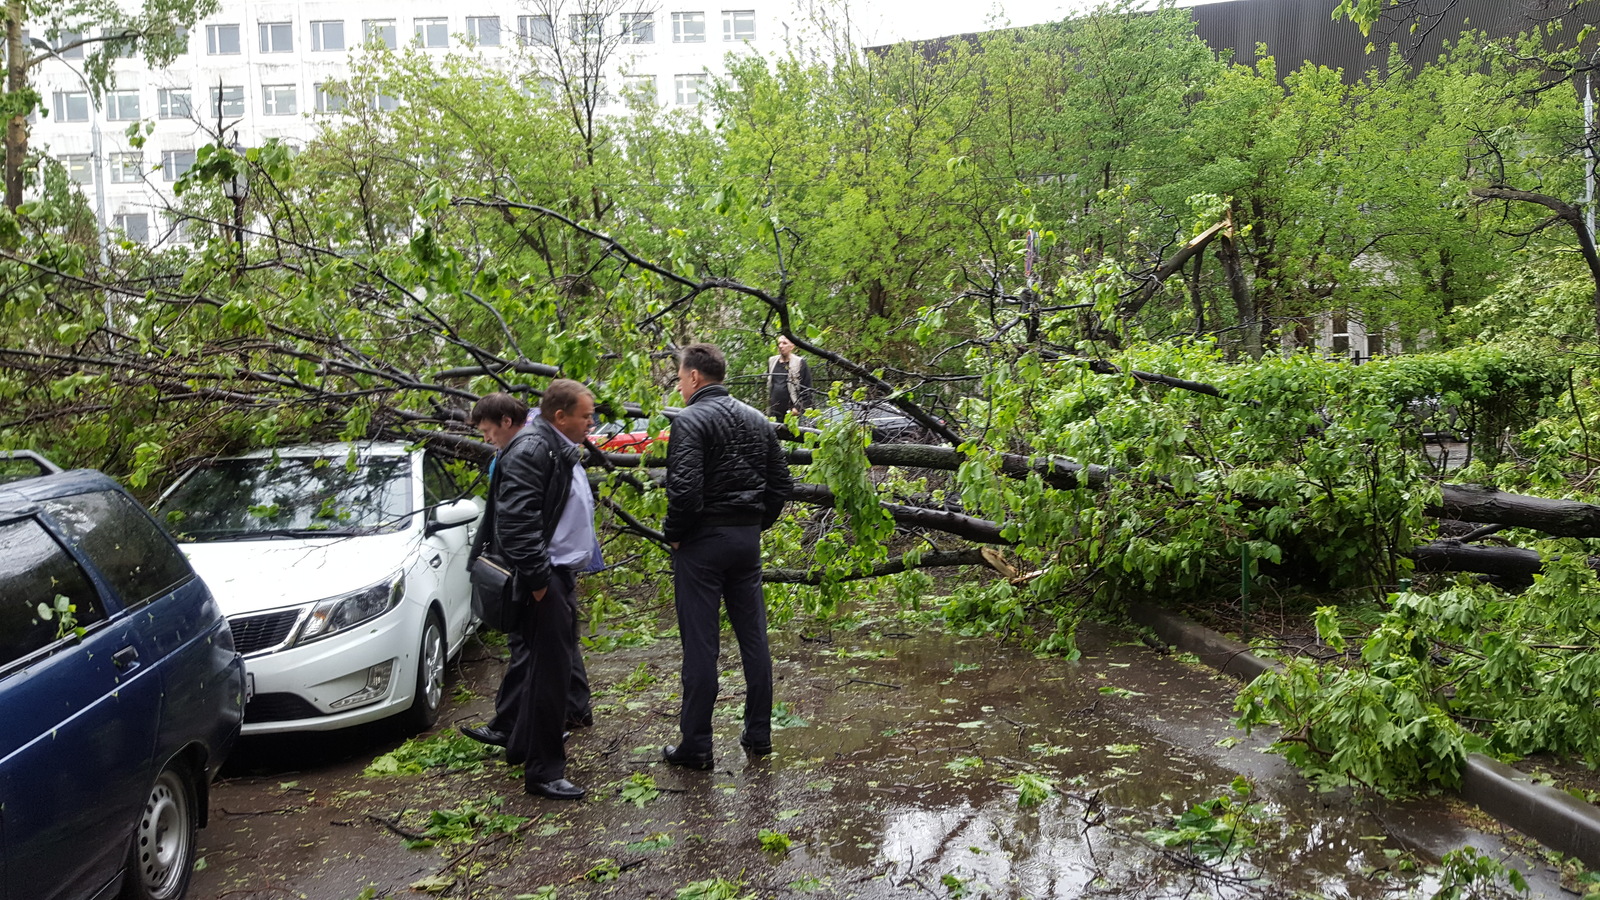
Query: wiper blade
248, 534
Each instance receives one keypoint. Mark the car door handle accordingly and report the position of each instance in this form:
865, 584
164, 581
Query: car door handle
436, 561
126, 658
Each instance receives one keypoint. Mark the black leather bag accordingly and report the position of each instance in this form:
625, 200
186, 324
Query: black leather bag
492, 599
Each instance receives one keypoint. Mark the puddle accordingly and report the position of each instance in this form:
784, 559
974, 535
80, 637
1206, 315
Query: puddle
895, 786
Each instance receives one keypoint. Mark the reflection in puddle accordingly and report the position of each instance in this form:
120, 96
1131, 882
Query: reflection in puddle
903, 772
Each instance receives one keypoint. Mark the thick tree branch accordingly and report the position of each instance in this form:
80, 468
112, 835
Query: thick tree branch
1569, 214
936, 560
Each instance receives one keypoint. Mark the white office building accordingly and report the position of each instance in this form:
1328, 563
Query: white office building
262, 67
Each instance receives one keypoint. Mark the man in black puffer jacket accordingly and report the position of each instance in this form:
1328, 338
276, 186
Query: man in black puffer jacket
544, 530
727, 482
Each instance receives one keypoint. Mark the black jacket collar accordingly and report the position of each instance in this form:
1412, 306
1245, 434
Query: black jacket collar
710, 390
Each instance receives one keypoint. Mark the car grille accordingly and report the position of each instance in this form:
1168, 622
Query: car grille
252, 634
279, 708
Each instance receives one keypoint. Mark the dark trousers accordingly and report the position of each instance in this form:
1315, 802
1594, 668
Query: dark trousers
549, 636
508, 700
712, 566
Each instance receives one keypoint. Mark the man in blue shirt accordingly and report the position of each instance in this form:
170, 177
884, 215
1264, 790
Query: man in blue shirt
544, 530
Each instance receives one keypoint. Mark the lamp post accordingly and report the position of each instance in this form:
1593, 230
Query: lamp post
237, 189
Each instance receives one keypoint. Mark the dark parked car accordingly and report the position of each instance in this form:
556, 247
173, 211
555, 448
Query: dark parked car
120, 694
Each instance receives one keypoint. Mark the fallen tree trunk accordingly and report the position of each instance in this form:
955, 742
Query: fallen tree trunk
936, 560
1465, 502
970, 527
1483, 505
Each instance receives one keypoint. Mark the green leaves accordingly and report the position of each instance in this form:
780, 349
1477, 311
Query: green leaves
1032, 789
447, 750
639, 789
1218, 830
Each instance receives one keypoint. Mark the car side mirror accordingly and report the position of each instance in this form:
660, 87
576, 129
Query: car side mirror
453, 514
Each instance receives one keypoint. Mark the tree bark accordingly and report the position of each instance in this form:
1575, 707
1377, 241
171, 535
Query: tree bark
16, 83
935, 560
1454, 556
1171, 267
1475, 503
1243, 303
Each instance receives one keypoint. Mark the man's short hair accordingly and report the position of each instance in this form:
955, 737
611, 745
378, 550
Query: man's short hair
561, 396
497, 407
705, 359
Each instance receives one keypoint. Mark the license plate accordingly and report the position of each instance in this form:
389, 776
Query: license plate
249, 686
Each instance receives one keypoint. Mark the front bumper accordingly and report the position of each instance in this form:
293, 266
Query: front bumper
301, 688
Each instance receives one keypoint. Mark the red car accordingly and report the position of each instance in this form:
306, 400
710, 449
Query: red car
626, 436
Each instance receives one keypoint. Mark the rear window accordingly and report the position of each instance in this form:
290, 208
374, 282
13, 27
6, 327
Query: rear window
36, 571
129, 549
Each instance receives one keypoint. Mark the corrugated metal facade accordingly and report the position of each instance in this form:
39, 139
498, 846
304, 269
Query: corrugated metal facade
1296, 31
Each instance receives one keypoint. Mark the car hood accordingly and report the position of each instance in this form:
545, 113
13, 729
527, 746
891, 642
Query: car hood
249, 576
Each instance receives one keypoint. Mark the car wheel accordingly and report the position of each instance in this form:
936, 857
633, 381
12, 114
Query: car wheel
429, 696
162, 857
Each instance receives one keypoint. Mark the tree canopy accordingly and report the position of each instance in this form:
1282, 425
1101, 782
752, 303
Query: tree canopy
1091, 260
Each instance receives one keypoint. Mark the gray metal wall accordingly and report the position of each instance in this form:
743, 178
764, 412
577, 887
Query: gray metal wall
1296, 31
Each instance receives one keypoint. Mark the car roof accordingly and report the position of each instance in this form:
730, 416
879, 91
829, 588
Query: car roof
330, 450
47, 487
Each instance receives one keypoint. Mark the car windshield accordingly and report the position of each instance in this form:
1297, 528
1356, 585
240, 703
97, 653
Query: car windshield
235, 499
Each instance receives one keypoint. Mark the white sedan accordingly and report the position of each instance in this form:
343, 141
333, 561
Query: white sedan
342, 571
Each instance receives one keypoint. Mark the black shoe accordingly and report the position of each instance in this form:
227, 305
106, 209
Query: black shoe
701, 761
560, 789
755, 748
584, 721
483, 734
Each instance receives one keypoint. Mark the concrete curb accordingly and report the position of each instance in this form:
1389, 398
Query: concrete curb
1550, 816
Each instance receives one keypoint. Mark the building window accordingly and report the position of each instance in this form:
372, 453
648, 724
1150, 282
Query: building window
585, 26
638, 28
181, 228
175, 162
535, 30
277, 37
330, 97
738, 24
327, 36
485, 30
227, 101
689, 28
122, 106
277, 100
386, 102
79, 168
642, 86
63, 45
134, 226
72, 106
173, 103
433, 32
380, 31
689, 88
127, 168
222, 40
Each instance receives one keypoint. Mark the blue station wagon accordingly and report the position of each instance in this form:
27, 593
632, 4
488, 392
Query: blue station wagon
120, 694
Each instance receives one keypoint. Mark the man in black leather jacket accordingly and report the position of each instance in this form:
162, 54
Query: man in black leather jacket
533, 484
727, 481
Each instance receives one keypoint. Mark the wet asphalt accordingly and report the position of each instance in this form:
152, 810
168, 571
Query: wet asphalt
900, 776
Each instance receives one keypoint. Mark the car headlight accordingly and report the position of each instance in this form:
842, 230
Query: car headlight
346, 611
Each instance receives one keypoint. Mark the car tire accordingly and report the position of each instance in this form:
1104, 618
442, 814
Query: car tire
161, 858
428, 697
